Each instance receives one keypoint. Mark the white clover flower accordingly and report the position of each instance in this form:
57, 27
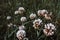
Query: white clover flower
48, 32
39, 12
42, 12
9, 25
23, 19
37, 23
22, 27
8, 17
21, 10
20, 34
32, 16
50, 26
16, 12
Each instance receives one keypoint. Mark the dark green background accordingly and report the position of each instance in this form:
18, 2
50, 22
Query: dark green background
7, 8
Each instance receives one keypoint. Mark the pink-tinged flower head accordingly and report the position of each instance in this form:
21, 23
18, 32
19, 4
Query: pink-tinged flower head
20, 34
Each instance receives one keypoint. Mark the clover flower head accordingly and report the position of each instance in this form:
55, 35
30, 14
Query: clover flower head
37, 23
42, 12
32, 16
23, 19
21, 10
8, 17
21, 34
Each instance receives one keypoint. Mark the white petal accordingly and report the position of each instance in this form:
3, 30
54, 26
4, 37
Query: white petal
44, 11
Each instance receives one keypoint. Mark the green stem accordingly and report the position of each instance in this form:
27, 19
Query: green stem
17, 29
37, 33
27, 22
13, 32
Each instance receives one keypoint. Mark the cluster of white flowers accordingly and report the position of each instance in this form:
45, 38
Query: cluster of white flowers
37, 23
45, 14
23, 19
21, 32
32, 16
49, 29
20, 10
